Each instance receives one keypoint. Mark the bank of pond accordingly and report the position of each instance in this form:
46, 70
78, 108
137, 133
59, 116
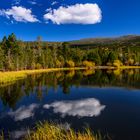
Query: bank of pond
10, 77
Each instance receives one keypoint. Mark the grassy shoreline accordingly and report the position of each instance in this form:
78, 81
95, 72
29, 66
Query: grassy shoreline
12, 76
130, 67
121, 67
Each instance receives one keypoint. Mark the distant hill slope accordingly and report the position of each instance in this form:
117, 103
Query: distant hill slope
131, 40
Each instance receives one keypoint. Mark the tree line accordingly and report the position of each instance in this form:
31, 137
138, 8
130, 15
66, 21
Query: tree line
20, 55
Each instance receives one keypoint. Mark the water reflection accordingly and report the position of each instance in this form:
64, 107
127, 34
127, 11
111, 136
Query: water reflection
23, 112
81, 108
17, 134
25, 116
40, 83
65, 96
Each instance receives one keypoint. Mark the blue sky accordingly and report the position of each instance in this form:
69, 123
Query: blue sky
60, 20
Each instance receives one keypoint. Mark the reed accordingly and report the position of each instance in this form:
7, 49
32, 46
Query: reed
51, 131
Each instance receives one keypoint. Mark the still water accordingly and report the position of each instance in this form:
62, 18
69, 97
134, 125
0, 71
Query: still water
105, 101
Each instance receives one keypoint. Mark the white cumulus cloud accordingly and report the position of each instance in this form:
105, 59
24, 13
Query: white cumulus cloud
19, 14
75, 14
82, 108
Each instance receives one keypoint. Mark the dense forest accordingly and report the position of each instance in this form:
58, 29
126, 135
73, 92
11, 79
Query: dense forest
18, 55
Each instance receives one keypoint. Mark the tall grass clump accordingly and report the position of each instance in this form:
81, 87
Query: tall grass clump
51, 131
1, 136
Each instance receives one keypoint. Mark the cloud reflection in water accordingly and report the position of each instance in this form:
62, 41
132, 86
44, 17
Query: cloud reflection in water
82, 108
23, 112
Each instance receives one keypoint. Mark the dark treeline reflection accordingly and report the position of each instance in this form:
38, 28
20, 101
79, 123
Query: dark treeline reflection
41, 83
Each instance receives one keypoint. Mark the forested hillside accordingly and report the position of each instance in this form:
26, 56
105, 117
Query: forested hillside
124, 41
18, 55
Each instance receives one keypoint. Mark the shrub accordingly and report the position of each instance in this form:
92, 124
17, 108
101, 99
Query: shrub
117, 63
70, 63
38, 66
88, 64
131, 61
58, 64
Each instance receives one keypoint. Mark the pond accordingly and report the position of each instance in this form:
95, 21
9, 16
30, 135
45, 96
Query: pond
107, 101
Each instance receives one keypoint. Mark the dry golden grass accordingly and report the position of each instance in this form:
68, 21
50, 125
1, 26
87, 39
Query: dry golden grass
130, 67
52, 131
10, 77
13, 76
